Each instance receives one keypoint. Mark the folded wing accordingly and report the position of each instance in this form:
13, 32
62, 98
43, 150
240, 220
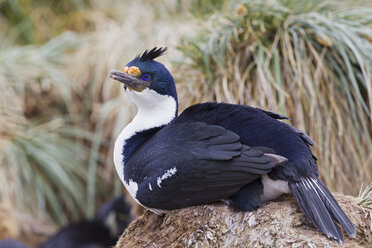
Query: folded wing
194, 163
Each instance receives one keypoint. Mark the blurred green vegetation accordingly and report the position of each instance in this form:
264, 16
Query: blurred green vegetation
60, 114
37, 21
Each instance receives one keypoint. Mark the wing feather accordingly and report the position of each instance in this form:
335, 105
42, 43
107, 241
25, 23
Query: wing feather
208, 161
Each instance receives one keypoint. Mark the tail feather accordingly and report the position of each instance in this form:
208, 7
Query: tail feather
321, 208
321, 214
336, 210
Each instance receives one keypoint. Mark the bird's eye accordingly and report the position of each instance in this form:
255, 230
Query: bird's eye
146, 77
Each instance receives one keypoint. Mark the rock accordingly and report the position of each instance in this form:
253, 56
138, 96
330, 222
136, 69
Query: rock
279, 223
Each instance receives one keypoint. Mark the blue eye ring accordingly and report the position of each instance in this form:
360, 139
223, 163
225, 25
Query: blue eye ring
146, 77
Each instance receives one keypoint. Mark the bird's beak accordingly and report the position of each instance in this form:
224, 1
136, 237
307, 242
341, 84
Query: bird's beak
131, 82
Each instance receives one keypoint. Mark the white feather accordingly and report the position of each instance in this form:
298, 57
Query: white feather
273, 188
154, 110
132, 188
167, 174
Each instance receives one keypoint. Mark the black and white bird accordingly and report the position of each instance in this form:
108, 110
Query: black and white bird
101, 232
214, 151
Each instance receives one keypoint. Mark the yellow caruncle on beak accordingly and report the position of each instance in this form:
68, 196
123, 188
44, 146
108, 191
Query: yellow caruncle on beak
134, 71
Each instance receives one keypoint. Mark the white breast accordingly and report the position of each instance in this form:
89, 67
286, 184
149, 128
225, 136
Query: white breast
273, 189
118, 157
154, 110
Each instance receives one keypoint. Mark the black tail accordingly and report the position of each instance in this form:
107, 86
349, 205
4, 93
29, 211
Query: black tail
321, 208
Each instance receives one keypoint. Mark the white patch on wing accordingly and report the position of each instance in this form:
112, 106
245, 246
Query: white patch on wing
150, 187
132, 188
154, 110
273, 188
167, 174
158, 182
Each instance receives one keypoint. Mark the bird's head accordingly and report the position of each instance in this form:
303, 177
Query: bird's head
148, 83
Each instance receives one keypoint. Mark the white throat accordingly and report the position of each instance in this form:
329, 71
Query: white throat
154, 110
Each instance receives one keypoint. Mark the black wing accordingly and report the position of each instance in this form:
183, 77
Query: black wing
302, 135
274, 115
193, 163
258, 127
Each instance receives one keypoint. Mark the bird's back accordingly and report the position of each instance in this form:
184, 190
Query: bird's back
257, 128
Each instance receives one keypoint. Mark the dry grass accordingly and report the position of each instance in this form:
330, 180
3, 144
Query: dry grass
309, 60
103, 102
35, 175
60, 114
365, 196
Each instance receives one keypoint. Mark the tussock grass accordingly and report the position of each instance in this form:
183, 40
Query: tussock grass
365, 196
101, 100
309, 60
35, 174
60, 114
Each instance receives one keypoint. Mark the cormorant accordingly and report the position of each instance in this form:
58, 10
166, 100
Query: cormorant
214, 151
101, 232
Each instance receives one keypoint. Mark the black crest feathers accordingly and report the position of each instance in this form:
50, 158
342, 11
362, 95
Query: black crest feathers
152, 54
